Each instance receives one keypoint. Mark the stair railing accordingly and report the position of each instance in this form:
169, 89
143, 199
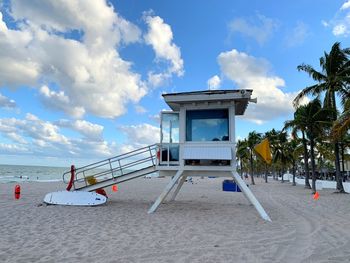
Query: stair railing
116, 166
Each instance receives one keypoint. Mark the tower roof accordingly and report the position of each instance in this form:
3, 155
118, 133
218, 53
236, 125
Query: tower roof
239, 97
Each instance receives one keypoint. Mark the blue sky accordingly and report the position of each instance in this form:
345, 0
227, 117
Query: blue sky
82, 80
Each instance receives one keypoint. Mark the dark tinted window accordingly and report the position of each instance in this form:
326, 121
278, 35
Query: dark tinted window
207, 125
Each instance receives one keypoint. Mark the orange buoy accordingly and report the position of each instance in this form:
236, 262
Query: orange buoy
17, 191
115, 188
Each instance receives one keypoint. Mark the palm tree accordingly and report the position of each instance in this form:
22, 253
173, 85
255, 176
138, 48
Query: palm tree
344, 144
299, 124
318, 119
242, 154
342, 124
264, 164
332, 79
340, 131
292, 153
325, 156
280, 151
272, 136
253, 139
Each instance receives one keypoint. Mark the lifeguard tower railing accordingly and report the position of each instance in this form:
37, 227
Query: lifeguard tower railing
114, 170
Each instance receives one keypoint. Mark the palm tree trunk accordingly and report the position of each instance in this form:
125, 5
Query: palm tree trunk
313, 166
294, 184
252, 167
306, 161
342, 147
338, 175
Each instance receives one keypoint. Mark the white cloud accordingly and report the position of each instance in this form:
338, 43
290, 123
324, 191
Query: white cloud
3, 26
89, 130
155, 118
346, 5
13, 149
141, 135
59, 101
34, 128
325, 23
97, 149
44, 138
214, 82
139, 109
16, 138
260, 28
340, 23
339, 30
158, 79
42, 130
89, 75
160, 37
253, 73
7, 103
96, 19
125, 148
69, 52
298, 35
16, 64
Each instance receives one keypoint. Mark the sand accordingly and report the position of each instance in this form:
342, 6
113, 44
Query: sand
204, 224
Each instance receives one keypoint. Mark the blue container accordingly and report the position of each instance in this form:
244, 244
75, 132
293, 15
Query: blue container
229, 186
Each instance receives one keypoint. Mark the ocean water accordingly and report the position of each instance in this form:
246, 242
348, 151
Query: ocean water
21, 173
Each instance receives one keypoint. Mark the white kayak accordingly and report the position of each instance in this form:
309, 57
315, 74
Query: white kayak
79, 198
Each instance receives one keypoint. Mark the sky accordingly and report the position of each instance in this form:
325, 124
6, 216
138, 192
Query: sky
81, 80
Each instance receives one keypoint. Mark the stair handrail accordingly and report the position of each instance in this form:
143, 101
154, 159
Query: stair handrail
112, 160
113, 170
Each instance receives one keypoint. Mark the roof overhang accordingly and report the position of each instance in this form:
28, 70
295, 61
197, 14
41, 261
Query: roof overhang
239, 97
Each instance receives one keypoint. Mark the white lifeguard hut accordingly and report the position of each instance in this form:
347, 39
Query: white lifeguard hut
197, 139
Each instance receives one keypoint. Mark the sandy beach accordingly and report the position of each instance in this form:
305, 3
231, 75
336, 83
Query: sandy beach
204, 224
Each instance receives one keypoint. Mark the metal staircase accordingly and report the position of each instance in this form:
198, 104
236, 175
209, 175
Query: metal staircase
114, 170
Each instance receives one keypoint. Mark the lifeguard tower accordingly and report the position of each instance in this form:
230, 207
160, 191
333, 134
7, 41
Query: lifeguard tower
197, 139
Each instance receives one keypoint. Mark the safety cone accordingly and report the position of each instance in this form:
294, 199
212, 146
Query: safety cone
115, 188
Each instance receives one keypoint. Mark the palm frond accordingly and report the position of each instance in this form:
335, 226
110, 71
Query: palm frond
318, 76
341, 126
305, 92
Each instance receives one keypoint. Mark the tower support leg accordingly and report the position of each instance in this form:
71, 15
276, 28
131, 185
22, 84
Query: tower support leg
249, 195
181, 182
165, 192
